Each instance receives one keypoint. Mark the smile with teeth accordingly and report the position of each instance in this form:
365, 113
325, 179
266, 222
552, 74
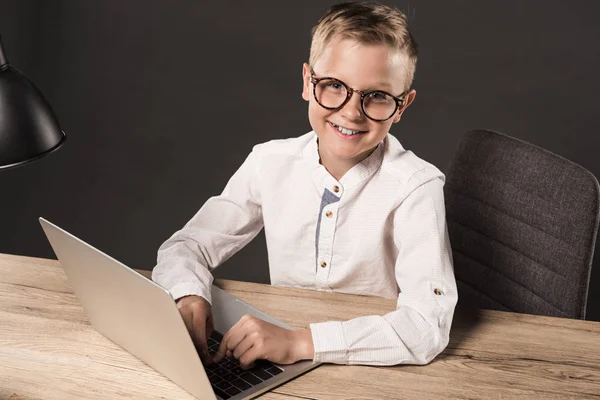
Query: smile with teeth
345, 131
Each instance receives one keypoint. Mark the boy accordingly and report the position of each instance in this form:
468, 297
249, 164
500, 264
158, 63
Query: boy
345, 208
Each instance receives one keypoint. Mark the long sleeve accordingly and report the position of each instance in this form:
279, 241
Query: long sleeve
418, 330
223, 225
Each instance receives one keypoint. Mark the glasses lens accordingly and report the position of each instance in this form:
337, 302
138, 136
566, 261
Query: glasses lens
331, 93
379, 105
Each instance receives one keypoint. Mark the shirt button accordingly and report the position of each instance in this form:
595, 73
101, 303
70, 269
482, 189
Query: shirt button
336, 188
329, 214
438, 292
323, 264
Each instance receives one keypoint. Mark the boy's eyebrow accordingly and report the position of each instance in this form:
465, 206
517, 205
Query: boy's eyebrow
377, 86
386, 85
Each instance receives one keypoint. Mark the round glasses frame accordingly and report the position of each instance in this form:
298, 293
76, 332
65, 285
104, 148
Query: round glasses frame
398, 99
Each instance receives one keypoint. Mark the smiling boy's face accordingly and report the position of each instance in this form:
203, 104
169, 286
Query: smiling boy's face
363, 67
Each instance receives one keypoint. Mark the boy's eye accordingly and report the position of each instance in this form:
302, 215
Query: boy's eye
378, 96
335, 85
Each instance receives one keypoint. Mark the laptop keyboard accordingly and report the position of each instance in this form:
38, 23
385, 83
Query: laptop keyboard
228, 378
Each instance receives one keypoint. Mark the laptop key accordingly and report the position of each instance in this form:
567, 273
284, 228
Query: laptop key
251, 379
228, 377
220, 393
238, 370
262, 363
241, 384
274, 370
210, 367
261, 373
232, 391
223, 385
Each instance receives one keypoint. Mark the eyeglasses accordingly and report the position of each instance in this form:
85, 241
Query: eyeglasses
333, 94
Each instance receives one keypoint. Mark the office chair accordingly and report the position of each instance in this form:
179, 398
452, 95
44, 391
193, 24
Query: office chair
522, 223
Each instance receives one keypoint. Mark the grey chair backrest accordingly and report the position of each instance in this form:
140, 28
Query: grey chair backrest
522, 223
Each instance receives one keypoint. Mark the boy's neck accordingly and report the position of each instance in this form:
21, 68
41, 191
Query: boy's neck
338, 168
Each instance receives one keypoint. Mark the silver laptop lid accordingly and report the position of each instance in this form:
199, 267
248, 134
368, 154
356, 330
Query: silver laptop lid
131, 310
142, 317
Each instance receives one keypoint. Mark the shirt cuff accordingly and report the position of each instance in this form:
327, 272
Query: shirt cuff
329, 342
190, 289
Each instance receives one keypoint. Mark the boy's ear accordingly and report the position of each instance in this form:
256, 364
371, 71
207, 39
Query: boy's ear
306, 82
410, 97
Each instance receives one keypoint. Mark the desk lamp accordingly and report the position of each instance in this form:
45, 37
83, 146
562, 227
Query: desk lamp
28, 128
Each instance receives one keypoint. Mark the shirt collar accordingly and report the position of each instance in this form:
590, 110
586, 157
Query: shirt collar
357, 173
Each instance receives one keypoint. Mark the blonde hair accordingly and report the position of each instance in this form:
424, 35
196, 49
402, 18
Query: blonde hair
367, 23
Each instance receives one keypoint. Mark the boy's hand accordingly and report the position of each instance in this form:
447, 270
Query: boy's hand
197, 315
252, 338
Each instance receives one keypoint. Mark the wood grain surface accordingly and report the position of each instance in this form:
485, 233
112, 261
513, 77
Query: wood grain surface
48, 350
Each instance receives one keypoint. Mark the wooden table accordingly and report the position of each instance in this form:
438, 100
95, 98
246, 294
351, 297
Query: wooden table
48, 350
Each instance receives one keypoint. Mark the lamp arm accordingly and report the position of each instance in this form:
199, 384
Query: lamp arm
3, 60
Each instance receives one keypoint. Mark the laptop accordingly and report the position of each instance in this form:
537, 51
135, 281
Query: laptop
142, 317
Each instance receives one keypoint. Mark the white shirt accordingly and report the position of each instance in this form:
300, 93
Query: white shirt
380, 230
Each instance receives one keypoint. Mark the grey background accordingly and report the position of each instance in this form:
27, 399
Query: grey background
162, 101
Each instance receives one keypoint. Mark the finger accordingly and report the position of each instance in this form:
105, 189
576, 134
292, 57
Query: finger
222, 352
250, 366
186, 315
187, 320
197, 340
202, 349
243, 346
209, 326
230, 340
204, 354
229, 343
249, 357
199, 328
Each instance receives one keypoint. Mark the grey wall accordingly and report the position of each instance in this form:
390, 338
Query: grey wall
162, 101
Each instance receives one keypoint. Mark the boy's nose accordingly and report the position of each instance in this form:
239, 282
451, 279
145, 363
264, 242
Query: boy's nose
352, 110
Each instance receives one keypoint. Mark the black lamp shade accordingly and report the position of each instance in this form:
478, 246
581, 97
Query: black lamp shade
28, 127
